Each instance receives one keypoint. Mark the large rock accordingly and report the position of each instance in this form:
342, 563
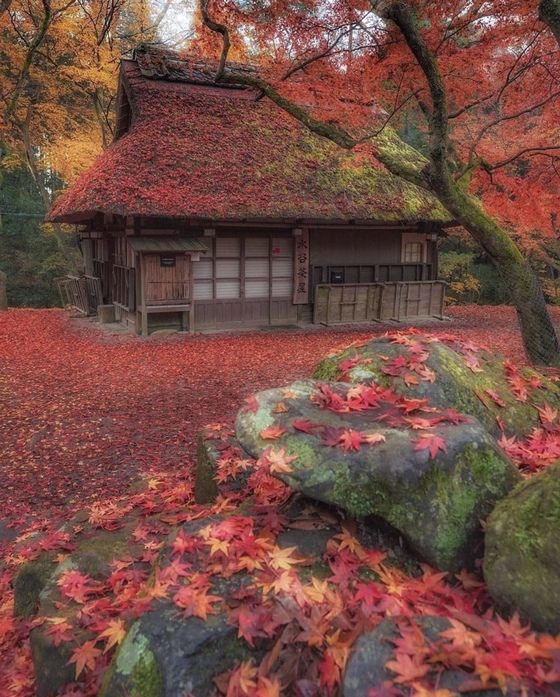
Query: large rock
522, 557
435, 499
449, 373
366, 668
166, 655
36, 590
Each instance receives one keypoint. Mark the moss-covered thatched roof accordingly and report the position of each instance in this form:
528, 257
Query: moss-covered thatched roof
187, 148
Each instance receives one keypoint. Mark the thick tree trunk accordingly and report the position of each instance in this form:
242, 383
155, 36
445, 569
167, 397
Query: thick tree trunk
549, 13
539, 335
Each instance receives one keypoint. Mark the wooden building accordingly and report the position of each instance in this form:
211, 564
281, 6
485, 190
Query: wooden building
214, 208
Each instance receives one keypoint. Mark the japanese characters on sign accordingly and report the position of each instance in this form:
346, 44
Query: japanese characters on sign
301, 268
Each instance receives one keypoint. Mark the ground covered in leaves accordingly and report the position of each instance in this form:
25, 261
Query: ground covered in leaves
84, 414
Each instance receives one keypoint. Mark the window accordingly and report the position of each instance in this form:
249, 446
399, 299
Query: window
282, 264
228, 266
257, 267
413, 249
413, 252
252, 268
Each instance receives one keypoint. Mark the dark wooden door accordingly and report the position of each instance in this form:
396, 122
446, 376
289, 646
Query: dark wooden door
167, 279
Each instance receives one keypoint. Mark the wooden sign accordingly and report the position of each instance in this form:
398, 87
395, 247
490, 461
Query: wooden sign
167, 260
301, 268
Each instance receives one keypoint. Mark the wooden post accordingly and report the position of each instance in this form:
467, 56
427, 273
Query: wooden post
3, 294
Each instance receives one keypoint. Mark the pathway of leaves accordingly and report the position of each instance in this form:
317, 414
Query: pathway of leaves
84, 414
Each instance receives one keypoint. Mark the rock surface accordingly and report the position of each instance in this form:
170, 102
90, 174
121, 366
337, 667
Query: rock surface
165, 655
37, 591
434, 484
522, 556
449, 373
366, 668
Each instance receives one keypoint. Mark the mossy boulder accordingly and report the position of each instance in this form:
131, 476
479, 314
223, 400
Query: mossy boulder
36, 589
166, 655
449, 373
217, 448
522, 555
366, 669
374, 462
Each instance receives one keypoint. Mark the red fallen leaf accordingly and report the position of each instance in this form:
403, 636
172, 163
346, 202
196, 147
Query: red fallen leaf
251, 405
431, 442
410, 379
330, 436
348, 363
495, 398
195, 601
272, 432
547, 414
74, 585
350, 440
85, 656
304, 425
59, 631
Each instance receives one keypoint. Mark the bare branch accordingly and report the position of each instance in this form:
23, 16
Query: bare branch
219, 29
543, 150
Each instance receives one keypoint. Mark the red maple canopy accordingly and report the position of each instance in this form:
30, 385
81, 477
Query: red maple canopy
186, 147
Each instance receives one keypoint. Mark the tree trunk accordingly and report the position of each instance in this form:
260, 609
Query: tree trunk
539, 335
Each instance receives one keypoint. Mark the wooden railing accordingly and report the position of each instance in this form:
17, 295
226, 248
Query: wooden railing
124, 293
82, 293
377, 302
101, 271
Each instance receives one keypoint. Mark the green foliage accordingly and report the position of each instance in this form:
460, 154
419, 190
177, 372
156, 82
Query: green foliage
472, 278
30, 253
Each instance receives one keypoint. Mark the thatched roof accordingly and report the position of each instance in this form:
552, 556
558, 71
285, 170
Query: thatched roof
187, 147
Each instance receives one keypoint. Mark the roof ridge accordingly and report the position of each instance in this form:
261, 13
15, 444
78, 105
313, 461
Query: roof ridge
157, 62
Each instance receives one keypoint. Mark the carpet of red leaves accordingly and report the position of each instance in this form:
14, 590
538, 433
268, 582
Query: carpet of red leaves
86, 412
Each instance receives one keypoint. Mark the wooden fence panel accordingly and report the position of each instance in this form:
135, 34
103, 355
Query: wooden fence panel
366, 302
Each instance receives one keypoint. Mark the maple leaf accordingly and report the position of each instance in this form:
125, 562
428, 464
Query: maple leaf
304, 425
280, 408
350, 440
373, 438
115, 632
408, 668
74, 585
194, 601
547, 414
243, 680
410, 379
495, 397
85, 656
281, 558
431, 442
272, 432
59, 631
278, 461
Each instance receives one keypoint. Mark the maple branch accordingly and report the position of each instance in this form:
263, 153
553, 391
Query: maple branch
301, 65
219, 29
549, 13
510, 117
402, 15
543, 150
399, 158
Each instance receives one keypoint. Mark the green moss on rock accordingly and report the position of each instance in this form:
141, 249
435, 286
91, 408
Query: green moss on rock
522, 556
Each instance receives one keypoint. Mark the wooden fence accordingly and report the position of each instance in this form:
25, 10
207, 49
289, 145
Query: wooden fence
82, 293
378, 302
